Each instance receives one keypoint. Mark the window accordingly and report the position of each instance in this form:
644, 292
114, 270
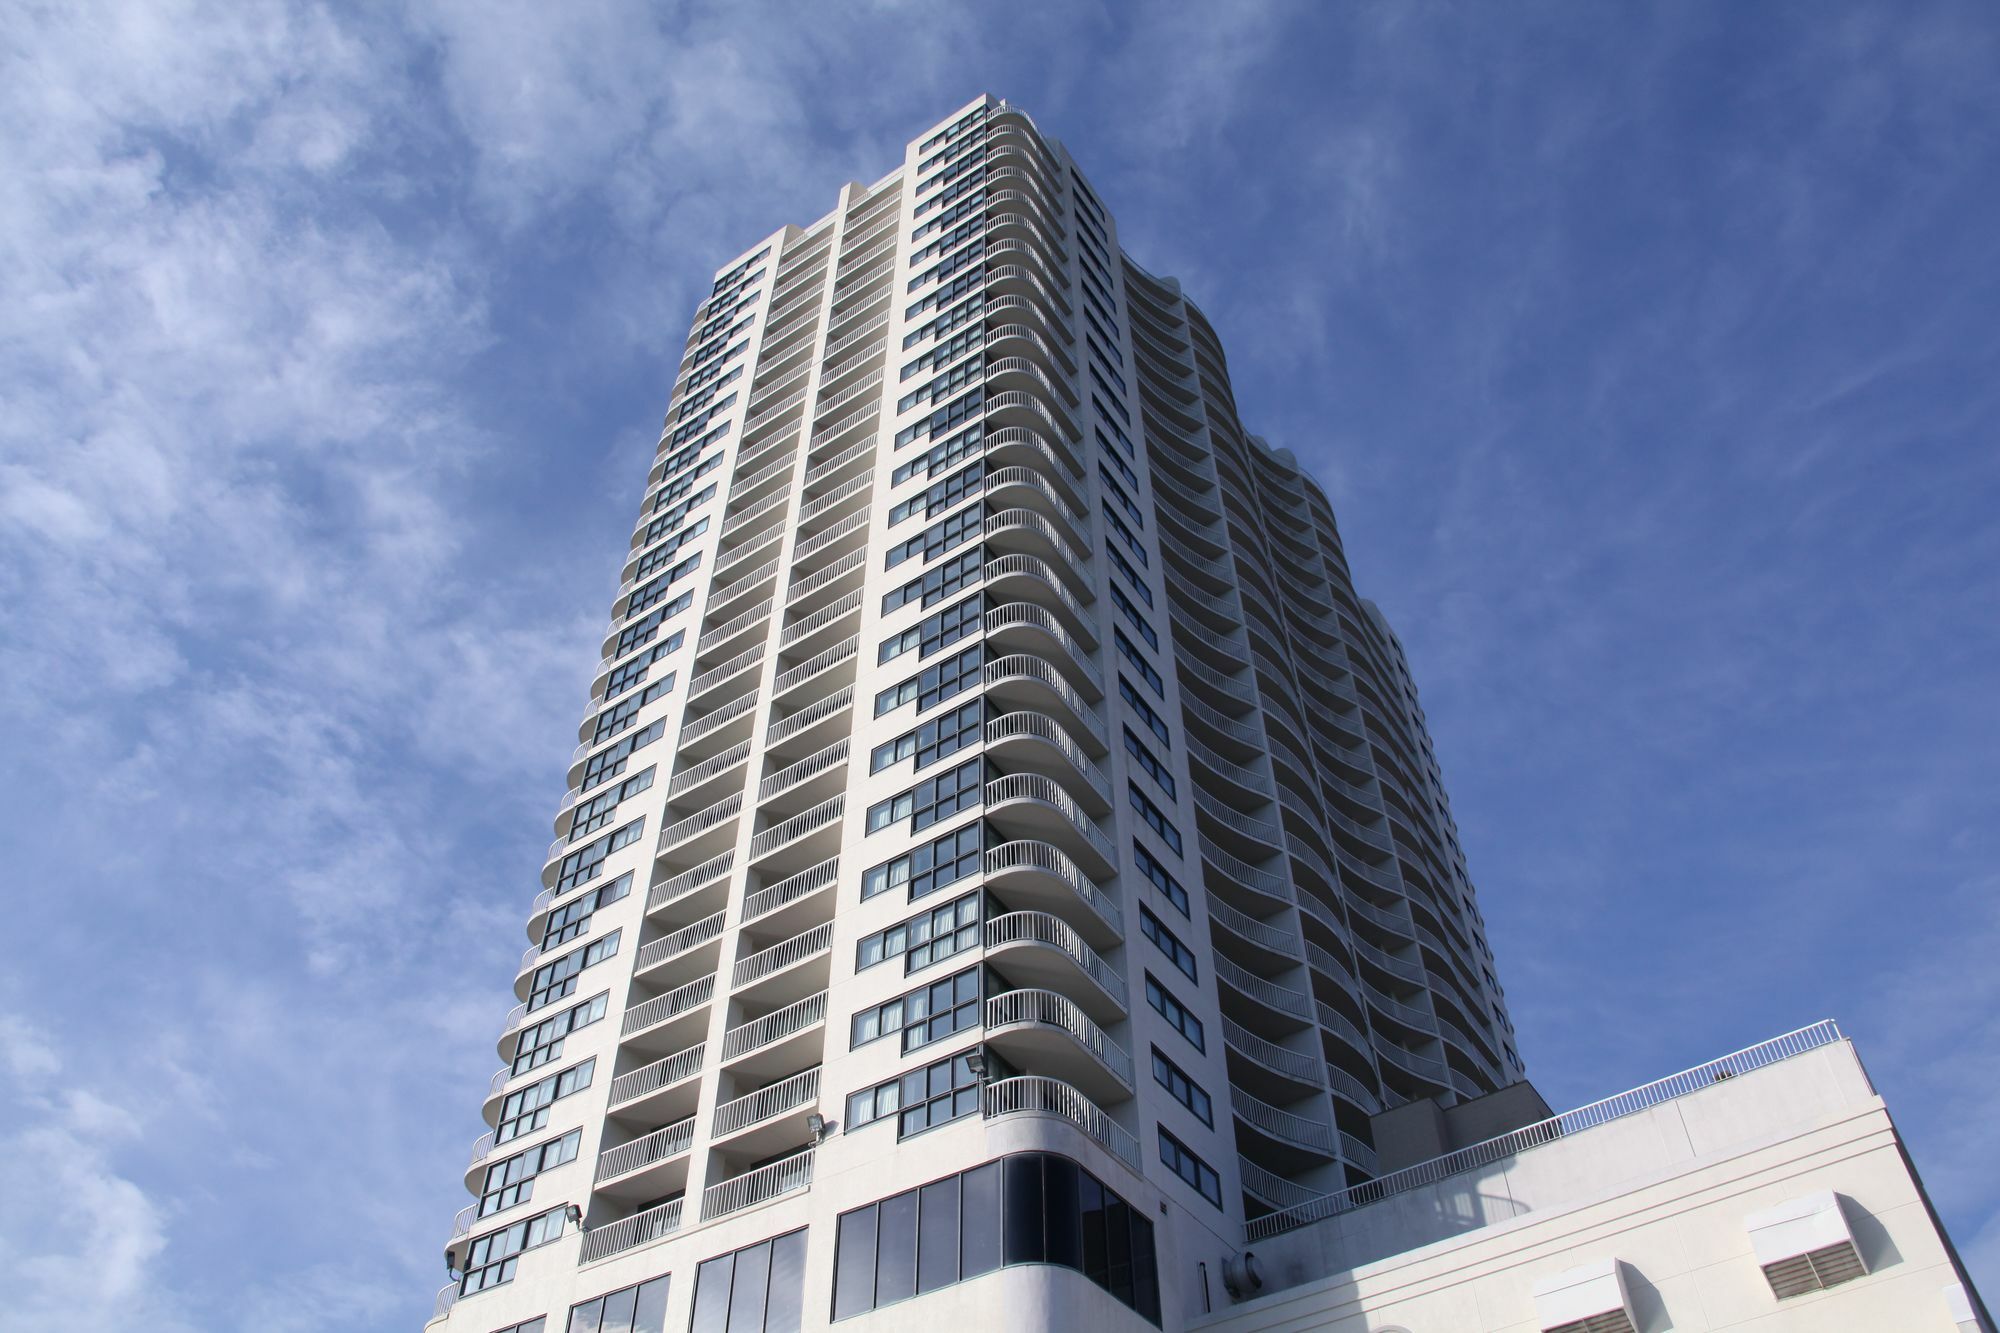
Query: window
946, 294
931, 800
596, 812
609, 762
665, 521
587, 862
1174, 1012
1124, 567
657, 558
527, 1110
1145, 759
490, 1259
573, 917
1169, 944
927, 938
1156, 821
641, 1309
1183, 1163
632, 671
939, 537
1139, 663
943, 495
941, 863
961, 446
642, 631
938, 582
1111, 456
942, 736
921, 1099
1117, 525
949, 417
1124, 440
614, 720
938, 630
542, 1042
1131, 613
958, 345
1130, 694
512, 1180
950, 240
1025, 1208
965, 372
936, 683
924, 1015
945, 323
647, 594
557, 980
1117, 493
760, 1288
1183, 1089
1169, 887
535, 1325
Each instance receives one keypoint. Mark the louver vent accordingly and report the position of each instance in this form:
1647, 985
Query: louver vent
1614, 1322
1590, 1299
1815, 1271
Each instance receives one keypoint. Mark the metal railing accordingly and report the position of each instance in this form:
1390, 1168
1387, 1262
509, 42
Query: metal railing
778, 957
1314, 1135
630, 1232
803, 771
671, 1005
1292, 1064
662, 1073
689, 881
788, 1095
1049, 931
1261, 933
1033, 1007
1032, 854
774, 1026
658, 951
1032, 1094
792, 888
1047, 791
785, 728
1042, 727
1010, 614
798, 826
715, 675
1748, 1060
847, 564
709, 767
814, 665
1282, 998
701, 821
820, 619
1028, 666
754, 1187
719, 718
658, 1146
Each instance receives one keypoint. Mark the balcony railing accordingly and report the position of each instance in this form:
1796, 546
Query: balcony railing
690, 881
671, 1005
1314, 1135
1042, 928
799, 1090
679, 942
792, 888
1033, 1007
662, 1073
798, 826
1031, 854
1031, 1094
631, 1232
755, 1187
1282, 998
775, 1026
658, 1146
778, 957
1295, 1065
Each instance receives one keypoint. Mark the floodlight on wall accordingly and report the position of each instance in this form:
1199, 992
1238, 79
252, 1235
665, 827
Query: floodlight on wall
1588, 1299
1805, 1244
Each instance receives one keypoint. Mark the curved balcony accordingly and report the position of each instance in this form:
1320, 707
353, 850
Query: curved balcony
1271, 1189
1339, 1025
1346, 1085
663, 1091
630, 1233
1040, 808
1287, 1138
1031, 628
768, 1119
1261, 943
1041, 876
1395, 967
761, 1185
1031, 1094
1257, 891
1038, 743
671, 1021
1021, 682
1046, 1030
1042, 950
1011, 446
649, 1166
1239, 735
1017, 576
1264, 1004
1237, 824
782, 1039
782, 973
1263, 1065
1028, 483
1420, 1066
1225, 779
1028, 531
1048, 355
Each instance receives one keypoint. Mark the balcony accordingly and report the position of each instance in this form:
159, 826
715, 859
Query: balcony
694, 893
670, 1021
1030, 629
631, 1232
663, 1091
784, 973
1044, 1030
1040, 808
649, 1166
1039, 875
1261, 944
1036, 742
1021, 682
678, 956
714, 732
782, 1039
701, 835
1264, 1004
1274, 1072
1292, 1142
811, 727
1031, 1094
711, 779
1041, 949
768, 1119
808, 782
765, 1183
802, 841
822, 627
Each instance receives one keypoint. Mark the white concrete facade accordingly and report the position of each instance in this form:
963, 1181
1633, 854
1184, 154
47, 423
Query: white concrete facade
1665, 1214
1201, 812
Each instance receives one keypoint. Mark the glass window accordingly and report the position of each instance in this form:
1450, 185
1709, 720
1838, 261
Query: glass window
1061, 1207
854, 1263
784, 1312
1169, 944
711, 1295
618, 1307
896, 1249
748, 1289
979, 1220
937, 1235
1023, 1212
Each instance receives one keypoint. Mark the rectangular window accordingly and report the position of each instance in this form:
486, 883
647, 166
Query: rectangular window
669, 519
1124, 440
642, 631
1131, 614
1155, 820
609, 762
941, 737
542, 1042
557, 980
656, 559
512, 1179
1111, 457
587, 862
1174, 1012
1110, 345
490, 1259
1116, 406
924, 1015
1130, 652
655, 591
949, 417
960, 375
632, 671
1182, 1088
641, 1309
757, 1289
947, 241
1143, 710
572, 919
621, 715
957, 317
961, 485
924, 870
942, 680
919, 1100
929, 937
595, 813
527, 1110
1124, 567
947, 533
1117, 525
938, 582
951, 349
1143, 759
971, 254
1182, 1162
965, 444
931, 801
938, 630
1169, 887
1169, 944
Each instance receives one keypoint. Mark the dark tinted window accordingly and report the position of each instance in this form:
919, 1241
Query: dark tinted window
937, 1235
854, 1263
896, 1249
618, 1307
1023, 1212
746, 1292
1065, 1241
979, 1231
785, 1310
711, 1295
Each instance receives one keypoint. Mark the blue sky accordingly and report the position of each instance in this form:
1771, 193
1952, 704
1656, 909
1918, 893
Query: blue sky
1648, 354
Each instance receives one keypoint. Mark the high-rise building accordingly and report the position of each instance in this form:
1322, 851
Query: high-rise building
1001, 840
